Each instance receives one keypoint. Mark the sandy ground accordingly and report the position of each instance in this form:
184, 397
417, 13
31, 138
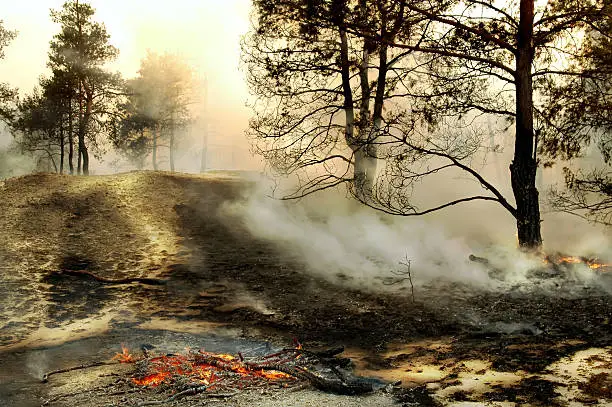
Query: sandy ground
224, 286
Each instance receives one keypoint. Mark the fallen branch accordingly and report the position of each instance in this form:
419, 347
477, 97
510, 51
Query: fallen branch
45, 377
129, 280
345, 386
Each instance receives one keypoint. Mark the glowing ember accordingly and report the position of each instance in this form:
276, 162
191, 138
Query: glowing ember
591, 263
201, 368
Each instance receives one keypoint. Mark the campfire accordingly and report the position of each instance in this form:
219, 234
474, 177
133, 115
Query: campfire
196, 372
208, 369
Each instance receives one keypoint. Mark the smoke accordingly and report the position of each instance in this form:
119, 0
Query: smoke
340, 240
344, 242
12, 162
37, 363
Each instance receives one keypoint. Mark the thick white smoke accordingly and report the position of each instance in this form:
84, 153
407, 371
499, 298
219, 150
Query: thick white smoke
343, 241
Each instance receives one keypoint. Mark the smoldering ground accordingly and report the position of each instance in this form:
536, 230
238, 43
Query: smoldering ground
343, 241
198, 234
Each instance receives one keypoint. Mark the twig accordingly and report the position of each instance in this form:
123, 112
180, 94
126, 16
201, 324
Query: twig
45, 377
403, 276
189, 392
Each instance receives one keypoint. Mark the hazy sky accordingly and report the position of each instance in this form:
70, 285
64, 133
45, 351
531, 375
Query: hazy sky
205, 32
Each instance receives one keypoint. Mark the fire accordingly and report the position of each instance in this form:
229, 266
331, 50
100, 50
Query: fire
152, 379
124, 356
591, 263
202, 368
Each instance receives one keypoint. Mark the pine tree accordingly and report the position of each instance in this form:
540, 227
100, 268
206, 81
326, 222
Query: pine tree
79, 51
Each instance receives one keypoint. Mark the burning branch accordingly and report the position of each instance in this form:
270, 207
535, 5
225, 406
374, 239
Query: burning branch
222, 375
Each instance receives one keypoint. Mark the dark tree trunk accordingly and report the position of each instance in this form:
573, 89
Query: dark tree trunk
70, 138
360, 159
524, 166
82, 133
62, 144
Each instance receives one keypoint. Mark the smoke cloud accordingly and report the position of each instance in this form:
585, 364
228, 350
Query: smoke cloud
342, 241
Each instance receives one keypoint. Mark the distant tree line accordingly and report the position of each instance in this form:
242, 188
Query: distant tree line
82, 105
380, 95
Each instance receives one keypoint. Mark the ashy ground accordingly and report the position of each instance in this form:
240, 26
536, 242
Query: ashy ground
228, 291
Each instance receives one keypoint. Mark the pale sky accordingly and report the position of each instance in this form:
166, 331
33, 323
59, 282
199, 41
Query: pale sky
205, 32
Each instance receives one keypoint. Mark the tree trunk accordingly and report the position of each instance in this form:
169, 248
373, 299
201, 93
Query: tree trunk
83, 153
172, 149
81, 131
87, 118
524, 166
364, 82
362, 185
62, 143
70, 138
154, 158
81, 134
347, 92
365, 164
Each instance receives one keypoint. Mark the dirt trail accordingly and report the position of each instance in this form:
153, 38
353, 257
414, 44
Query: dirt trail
219, 277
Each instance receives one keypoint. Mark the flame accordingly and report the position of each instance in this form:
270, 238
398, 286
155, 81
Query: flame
201, 367
124, 356
154, 379
591, 263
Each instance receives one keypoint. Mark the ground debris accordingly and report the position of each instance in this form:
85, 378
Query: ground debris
198, 373
417, 397
599, 386
532, 390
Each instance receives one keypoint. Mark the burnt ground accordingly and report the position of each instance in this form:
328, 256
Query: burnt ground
222, 282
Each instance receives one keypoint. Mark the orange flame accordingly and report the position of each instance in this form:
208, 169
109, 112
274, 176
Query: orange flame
202, 367
124, 356
591, 263
154, 379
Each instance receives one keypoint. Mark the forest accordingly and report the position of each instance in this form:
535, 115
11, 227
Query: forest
423, 216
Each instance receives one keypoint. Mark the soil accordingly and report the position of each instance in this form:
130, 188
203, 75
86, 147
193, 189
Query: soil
227, 290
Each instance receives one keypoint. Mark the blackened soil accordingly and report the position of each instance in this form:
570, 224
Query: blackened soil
177, 228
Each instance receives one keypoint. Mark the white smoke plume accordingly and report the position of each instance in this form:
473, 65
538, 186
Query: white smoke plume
342, 241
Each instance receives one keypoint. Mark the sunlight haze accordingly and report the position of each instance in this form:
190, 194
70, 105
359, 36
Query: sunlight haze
205, 32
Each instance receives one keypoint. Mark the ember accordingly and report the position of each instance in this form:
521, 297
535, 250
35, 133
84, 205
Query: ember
199, 371
594, 264
201, 368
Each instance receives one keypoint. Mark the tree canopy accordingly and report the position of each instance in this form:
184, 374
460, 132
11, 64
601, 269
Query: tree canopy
439, 69
158, 107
